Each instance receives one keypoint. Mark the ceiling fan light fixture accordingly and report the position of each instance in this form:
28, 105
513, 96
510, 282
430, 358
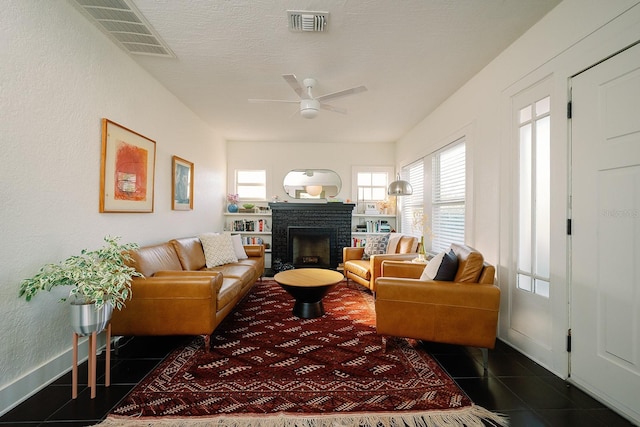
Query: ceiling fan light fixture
309, 108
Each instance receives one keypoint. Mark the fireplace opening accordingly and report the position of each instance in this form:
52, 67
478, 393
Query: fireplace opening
311, 246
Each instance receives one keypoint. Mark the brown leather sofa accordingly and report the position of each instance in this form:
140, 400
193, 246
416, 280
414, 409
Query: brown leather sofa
463, 312
179, 295
365, 272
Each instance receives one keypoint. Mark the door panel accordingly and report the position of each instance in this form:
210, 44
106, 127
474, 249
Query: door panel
605, 278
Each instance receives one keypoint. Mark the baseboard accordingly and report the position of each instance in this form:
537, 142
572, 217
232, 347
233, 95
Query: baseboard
26, 386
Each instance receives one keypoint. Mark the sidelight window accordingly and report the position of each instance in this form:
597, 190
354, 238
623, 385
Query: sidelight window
534, 170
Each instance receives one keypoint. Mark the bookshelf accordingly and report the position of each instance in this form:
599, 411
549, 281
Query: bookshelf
255, 229
364, 225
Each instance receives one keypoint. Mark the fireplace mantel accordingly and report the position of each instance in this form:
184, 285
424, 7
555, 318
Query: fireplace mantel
312, 215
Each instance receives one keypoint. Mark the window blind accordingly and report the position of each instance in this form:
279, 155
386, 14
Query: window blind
413, 206
448, 197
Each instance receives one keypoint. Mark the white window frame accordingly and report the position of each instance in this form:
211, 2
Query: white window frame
357, 189
256, 185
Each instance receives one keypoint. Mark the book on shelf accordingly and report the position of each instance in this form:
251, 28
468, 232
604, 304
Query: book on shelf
358, 242
246, 225
252, 240
374, 226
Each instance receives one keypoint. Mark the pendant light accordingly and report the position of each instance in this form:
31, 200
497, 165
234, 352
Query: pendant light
400, 188
313, 190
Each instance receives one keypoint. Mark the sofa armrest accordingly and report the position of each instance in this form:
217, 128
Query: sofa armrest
254, 250
409, 270
349, 253
177, 285
169, 305
436, 292
376, 262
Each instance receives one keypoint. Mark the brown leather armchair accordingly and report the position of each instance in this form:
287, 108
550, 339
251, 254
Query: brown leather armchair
365, 272
463, 312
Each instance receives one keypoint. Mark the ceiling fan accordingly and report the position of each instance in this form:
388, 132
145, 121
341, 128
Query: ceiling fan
310, 105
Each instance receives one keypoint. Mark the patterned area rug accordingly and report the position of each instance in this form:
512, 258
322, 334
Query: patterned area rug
270, 368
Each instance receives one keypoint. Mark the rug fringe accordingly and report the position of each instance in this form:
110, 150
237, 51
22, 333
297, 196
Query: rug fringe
472, 416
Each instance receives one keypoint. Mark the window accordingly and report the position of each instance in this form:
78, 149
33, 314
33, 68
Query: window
436, 209
448, 196
251, 184
534, 185
371, 185
412, 207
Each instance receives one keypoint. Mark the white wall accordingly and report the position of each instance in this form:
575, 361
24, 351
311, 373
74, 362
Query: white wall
278, 158
58, 77
575, 35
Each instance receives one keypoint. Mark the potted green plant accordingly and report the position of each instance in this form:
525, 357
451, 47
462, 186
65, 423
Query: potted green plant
100, 281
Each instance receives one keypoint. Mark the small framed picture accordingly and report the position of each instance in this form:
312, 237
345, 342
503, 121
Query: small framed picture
126, 170
181, 184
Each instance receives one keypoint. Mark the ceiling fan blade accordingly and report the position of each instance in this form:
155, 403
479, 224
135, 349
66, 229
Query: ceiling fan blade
345, 92
295, 85
261, 101
332, 108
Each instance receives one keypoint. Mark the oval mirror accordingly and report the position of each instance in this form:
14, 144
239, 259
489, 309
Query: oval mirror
312, 184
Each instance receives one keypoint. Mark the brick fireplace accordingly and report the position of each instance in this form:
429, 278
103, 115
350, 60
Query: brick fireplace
310, 234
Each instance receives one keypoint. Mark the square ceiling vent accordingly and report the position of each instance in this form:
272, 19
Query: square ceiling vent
125, 26
307, 21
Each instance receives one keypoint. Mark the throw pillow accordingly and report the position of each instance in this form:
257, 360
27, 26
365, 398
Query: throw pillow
218, 249
375, 245
441, 267
432, 267
238, 247
448, 267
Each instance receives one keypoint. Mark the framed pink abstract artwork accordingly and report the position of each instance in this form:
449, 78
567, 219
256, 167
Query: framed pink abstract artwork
126, 170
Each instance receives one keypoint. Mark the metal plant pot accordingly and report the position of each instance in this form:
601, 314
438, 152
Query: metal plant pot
86, 319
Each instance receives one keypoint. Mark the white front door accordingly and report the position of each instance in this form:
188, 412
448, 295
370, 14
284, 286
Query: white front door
605, 258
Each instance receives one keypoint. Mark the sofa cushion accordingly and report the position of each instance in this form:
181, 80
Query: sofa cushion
471, 263
376, 245
441, 267
190, 253
230, 290
402, 244
218, 249
392, 246
149, 259
238, 248
407, 245
240, 271
360, 268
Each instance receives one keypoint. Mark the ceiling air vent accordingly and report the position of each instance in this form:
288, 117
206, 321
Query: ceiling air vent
308, 21
125, 25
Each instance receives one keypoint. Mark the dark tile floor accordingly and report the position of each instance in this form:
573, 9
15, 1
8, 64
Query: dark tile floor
514, 385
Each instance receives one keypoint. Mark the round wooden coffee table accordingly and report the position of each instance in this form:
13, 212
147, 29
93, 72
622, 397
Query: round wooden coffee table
308, 286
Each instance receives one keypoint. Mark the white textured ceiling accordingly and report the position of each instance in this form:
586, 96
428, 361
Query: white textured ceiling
411, 55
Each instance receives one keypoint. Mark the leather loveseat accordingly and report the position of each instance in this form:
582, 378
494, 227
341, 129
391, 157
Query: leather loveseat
463, 312
366, 271
179, 295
